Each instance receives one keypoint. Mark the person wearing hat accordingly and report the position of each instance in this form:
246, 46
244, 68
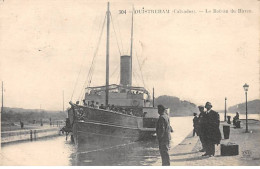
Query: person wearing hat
202, 127
212, 134
195, 124
235, 119
163, 132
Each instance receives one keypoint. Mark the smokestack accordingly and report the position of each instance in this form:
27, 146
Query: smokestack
125, 70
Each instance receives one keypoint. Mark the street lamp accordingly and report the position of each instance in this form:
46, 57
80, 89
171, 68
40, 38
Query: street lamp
246, 86
225, 116
225, 109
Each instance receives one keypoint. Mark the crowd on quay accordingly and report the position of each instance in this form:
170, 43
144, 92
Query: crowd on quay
206, 126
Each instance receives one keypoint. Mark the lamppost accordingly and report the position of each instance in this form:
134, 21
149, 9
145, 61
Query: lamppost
225, 119
246, 86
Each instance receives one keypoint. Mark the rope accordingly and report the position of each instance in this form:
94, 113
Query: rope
140, 70
77, 80
91, 70
95, 53
102, 149
118, 78
114, 71
136, 74
83, 58
120, 36
135, 78
115, 35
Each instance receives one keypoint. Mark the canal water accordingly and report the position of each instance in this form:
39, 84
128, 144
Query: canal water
241, 116
56, 151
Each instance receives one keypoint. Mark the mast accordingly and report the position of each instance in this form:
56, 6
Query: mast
63, 100
2, 108
131, 47
153, 96
107, 54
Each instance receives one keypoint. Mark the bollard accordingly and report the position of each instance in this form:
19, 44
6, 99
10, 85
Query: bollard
226, 131
31, 136
238, 124
228, 117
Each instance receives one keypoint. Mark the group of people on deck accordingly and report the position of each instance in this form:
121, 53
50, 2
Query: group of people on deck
206, 126
118, 109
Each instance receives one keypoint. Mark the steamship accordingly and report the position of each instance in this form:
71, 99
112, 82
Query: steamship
113, 114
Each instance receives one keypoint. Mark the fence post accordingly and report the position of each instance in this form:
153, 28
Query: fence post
31, 137
35, 135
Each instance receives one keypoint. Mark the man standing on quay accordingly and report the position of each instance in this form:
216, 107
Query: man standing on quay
212, 133
163, 132
202, 127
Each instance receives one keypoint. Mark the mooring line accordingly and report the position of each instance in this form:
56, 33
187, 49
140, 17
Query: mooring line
85, 152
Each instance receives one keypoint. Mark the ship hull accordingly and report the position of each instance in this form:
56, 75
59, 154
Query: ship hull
99, 129
94, 136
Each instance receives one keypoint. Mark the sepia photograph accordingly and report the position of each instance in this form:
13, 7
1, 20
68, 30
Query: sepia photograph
130, 83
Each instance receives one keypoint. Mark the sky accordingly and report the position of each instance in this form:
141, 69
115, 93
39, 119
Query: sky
47, 47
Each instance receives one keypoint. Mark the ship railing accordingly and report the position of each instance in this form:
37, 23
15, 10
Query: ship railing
80, 112
124, 112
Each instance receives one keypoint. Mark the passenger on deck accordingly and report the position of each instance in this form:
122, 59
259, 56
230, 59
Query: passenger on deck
96, 106
144, 114
102, 106
92, 104
108, 107
84, 102
113, 107
130, 112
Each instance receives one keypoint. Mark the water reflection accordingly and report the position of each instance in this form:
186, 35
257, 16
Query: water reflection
137, 153
140, 153
57, 151
44, 152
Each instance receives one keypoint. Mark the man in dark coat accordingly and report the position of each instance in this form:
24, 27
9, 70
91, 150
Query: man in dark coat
212, 134
202, 127
163, 132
